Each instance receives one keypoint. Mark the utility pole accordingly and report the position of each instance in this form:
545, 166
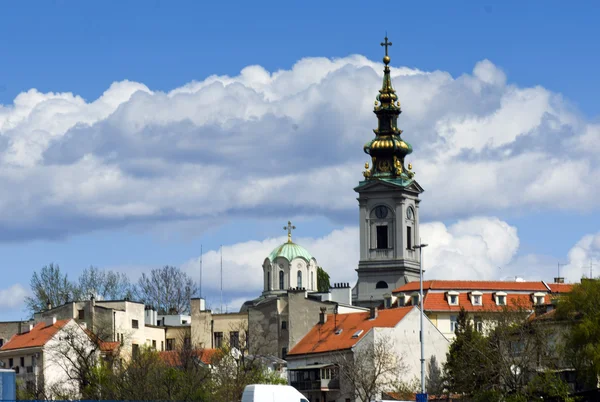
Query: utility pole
422, 334
200, 271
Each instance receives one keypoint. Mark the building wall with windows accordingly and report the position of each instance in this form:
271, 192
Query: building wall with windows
209, 330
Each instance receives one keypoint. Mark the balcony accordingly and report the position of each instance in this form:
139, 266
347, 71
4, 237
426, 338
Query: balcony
318, 377
317, 385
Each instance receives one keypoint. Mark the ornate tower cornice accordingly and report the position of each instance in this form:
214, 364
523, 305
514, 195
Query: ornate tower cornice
387, 149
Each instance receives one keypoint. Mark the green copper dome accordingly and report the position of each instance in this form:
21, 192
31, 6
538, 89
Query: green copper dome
289, 251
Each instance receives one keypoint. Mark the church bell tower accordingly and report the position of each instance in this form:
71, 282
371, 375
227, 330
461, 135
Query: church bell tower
388, 200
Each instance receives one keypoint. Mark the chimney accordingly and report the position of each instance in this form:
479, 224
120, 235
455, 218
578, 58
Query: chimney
322, 316
48, 305
373, 312
49, 321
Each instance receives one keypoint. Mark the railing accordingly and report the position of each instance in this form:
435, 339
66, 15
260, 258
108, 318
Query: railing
312, 385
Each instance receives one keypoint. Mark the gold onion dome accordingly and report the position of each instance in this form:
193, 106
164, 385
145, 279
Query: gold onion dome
387, 149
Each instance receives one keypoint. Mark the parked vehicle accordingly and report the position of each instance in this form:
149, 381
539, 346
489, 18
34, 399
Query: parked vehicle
272, 393
7, 385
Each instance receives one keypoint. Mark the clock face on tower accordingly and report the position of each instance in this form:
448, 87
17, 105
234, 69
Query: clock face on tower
410, 214
381, 212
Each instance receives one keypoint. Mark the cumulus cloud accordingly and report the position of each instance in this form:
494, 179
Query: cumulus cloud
583, 258
468, 249
288, 142
12, 298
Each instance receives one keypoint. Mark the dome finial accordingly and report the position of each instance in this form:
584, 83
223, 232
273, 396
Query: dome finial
386, 58
289, 229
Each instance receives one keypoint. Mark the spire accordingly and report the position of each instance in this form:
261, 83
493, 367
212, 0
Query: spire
387, 149
289, 229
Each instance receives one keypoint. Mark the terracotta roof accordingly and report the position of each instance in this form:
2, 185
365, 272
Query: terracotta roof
37, 337
109, 346
439, 302
173, 357
322, 338
473, 285
560, 287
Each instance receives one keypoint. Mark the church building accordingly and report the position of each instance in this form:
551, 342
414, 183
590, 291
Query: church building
388, 201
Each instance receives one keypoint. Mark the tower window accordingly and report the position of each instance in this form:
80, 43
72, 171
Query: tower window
312, 281
409, 242
268, 280
299, 278
381, 285
281, 277
382, 237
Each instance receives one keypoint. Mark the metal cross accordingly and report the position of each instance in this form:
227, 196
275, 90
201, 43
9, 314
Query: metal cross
289, 229
386, 44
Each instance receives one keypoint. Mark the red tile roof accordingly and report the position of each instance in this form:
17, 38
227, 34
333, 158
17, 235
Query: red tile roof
37, 337
439, 302
322, 338
474, 285
561, 287
109, 346
173, 357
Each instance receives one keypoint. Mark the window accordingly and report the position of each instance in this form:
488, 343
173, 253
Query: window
539, 300
135, 350
170, 344
1, 342
478, 324
281, 283
381, 285
382, 237
401, 300
415, 300
453, 300
283, 324
187, 342
312, 281
218, 339
22, 362
477, 300
299, 279
10, 363
501, 300
153, 344
283, 353
81, 314
268, 280
135, 324
388, 302
162, 346
409, 242
453, 323
234, 339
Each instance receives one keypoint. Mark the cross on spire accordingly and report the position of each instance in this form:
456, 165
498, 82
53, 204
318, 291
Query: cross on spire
289, 229
386, 44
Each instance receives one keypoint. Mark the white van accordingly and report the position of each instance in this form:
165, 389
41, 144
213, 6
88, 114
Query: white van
272, 393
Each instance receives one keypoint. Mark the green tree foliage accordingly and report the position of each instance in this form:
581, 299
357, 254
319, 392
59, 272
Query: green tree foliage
50, 285
580, 310
434, 379
323, 284
168, 289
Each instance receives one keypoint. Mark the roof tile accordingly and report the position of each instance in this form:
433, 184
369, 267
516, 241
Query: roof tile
37, 337
473, 285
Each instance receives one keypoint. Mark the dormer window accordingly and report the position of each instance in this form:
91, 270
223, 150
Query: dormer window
501, 299
401, 300
476, 298
453, 298
414, 299
538, 298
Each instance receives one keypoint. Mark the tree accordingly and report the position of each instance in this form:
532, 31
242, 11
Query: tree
168, 289
434, 379
323, 284
579, 310
104, 285
50, 286
371, 368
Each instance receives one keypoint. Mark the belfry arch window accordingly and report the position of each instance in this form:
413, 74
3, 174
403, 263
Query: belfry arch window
269, 280
410, 223
281, 280
381, 285
299, 278
381, 227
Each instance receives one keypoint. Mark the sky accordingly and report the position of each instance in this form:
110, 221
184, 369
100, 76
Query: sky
136, 134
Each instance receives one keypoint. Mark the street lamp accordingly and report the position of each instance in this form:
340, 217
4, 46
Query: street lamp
422, 335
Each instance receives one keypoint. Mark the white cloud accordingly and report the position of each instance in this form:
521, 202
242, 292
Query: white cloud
468, 249
13, 297
288, 141
584, 253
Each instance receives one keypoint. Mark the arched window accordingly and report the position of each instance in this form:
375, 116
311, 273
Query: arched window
281, 278
381, 285
269, 280
312, 281
299, 278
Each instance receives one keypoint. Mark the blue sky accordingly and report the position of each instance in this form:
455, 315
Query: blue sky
544, 50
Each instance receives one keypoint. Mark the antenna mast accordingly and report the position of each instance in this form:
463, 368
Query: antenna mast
221, 309
201, 271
